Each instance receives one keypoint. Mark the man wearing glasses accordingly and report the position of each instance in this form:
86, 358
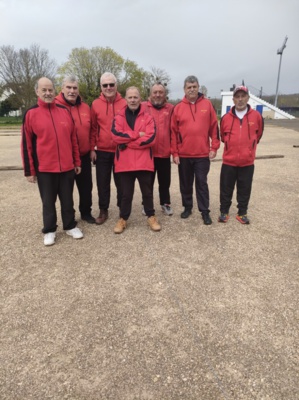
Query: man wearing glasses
102, 146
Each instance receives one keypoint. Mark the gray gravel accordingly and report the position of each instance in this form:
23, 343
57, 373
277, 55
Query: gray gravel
191, 312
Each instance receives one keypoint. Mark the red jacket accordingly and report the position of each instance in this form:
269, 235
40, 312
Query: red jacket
81, 116
102, 114
162, 118
194, 129
241, 137
137, 154
49, 140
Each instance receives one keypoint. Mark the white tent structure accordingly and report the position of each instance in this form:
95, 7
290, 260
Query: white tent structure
266, 109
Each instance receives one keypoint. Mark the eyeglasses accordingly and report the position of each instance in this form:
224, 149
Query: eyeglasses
105, 85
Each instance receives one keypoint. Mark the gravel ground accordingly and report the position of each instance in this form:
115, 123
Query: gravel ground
191, 312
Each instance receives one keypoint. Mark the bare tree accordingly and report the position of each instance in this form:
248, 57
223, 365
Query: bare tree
20, 69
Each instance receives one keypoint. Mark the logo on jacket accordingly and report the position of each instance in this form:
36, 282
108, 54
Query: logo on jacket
204, 111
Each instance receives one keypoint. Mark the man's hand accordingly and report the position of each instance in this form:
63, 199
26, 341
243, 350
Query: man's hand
141, 134
176, 160
31, 179
77, 170
212, 154
93, 156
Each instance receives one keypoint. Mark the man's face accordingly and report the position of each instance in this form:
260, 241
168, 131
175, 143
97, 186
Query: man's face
45, 90
191, 91
133, 99
157, 95
70, 91
109, 88
240, 100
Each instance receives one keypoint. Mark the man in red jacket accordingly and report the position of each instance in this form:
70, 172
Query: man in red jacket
102, 146
80, 111
51, 157
134, 132
194, 142
241, 130
161, 111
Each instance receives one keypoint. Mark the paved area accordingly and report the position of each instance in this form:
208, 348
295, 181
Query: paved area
191, 312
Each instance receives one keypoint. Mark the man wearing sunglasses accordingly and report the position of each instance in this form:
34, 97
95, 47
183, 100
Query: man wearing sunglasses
102, 146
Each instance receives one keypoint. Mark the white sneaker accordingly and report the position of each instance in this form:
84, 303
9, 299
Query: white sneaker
76, 233
49, 238
166, 208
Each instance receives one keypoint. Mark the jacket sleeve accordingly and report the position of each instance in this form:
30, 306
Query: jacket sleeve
260, 127
222, 130
75, 146
149, 138
122, 134
93, 128
27, 147
174, 127
214, 131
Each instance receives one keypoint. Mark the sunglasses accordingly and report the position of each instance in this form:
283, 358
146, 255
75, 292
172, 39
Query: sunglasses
105, 85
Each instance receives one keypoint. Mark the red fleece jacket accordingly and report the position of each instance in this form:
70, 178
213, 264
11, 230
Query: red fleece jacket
137, 154
81, 116
49, 140
241, 137
194, 129
102, 114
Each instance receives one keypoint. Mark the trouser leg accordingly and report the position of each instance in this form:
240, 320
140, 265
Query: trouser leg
244, 184
186, 175
228, 177
127, 180
145, 179
201, 170
117, 183
48, 189
84, 185
104, 165
65, 193
163, 168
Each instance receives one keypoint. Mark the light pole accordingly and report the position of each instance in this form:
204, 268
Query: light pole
280, 51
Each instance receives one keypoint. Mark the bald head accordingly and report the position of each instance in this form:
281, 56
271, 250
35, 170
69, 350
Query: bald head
44, 89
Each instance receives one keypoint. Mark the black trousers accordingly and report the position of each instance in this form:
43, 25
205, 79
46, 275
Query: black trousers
50, 186
163, 172
198, 168
104, 167
242, 177
145, 179
84, 185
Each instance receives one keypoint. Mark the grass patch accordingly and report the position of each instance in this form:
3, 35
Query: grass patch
10, 122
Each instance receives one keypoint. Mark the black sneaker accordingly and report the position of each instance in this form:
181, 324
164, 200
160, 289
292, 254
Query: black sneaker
88, 218
243, 219
186, 213
206, 219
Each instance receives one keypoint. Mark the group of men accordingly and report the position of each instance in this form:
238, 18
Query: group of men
131, 139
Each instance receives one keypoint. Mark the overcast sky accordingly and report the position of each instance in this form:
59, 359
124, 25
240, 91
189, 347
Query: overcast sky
220, 41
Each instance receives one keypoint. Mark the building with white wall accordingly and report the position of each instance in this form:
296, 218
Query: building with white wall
266, 109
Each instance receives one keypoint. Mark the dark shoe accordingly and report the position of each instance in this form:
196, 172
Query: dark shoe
206, 219
88, 218
102, 217
186, 213
223, 217
243, 219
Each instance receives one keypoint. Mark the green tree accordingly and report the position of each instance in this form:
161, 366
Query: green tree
20, 69
88, 65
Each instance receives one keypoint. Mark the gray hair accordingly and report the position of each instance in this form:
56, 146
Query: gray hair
69, 78
133, 88
158, 84
190, 79
107, 75
36, 82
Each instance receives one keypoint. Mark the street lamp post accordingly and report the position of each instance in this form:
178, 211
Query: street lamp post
280, 51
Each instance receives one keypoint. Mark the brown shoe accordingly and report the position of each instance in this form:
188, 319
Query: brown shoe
154, 224
120, 226
102, 217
